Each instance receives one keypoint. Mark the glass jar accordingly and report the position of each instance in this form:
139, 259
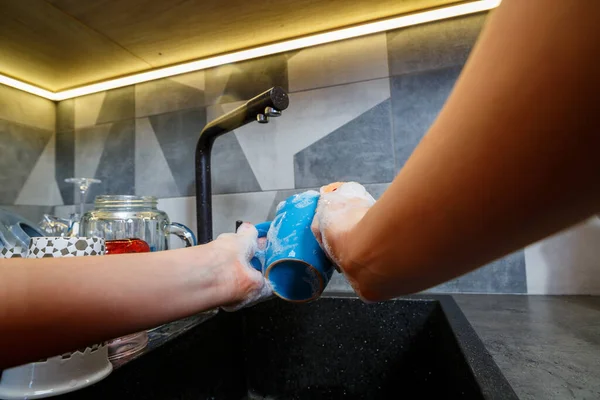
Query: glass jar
131, 224
133, 217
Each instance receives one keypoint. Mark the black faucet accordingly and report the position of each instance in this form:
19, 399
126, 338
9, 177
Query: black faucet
268, 104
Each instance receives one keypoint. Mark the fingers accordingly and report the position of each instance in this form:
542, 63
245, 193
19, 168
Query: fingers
247, 235
341, 206
351, 191
316, 230
247, 229
332, 187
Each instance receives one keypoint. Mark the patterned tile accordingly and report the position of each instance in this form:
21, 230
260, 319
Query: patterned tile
376, 189
168, 95
434, 45
281, 195
153, 176
506, 275
116, 168
270, 148
87, 109
361, 151
214, 111
118, 105
192, 79
228, 208
177, 134
20, 147
566, 263
65, 148
65, 115
231, 172
416, 101
89, 148
180, 209
40, 187
246, 79
65, 163
27, 109
348, 61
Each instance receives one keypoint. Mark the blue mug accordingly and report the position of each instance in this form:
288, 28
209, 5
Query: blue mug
293, 261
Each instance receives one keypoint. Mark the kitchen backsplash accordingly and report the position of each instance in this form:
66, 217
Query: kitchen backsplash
27, 151
357, 110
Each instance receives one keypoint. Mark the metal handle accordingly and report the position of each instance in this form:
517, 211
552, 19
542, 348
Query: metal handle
182, 232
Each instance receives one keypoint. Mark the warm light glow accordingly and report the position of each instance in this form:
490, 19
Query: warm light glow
288, 45
5, 80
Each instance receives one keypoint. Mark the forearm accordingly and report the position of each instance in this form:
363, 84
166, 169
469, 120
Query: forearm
511, 159
51, 306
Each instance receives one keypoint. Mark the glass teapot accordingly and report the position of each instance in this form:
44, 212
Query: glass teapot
128, 217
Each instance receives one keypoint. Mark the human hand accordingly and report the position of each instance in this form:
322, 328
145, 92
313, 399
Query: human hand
341, 206
236, 250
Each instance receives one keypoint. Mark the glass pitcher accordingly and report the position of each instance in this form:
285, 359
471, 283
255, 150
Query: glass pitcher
120, 218
129, 217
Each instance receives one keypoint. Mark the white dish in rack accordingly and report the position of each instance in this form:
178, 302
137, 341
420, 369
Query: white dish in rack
56, 375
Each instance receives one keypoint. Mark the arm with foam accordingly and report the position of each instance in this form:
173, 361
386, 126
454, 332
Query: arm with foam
511, 158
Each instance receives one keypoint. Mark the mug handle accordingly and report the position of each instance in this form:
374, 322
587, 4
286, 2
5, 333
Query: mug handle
259, 256
182, 232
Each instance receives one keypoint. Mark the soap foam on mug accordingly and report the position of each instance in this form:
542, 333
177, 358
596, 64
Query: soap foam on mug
274, 241
279, 206
304, 199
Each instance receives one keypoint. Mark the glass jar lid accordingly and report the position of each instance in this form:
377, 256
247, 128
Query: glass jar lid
118, 201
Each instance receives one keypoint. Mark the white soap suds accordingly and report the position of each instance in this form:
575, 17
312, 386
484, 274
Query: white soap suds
353, 190
335, 207
305, 199
292, 254
260, 256
247, 235
263, 293
279, 206
276, 244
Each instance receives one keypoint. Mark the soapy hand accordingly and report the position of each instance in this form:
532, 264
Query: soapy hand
341, 206
249, 284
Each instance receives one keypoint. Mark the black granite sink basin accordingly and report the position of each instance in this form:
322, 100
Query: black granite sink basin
419, 347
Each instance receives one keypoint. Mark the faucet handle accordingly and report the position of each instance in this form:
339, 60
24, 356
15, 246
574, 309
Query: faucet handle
262, 119
272, 112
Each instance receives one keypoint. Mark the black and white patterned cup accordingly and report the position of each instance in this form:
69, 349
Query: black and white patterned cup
12, 252
42, 247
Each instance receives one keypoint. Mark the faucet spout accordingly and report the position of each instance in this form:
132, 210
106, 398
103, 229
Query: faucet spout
267, 104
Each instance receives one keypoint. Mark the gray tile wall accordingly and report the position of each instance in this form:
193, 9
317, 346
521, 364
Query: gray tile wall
27, 147
357, 110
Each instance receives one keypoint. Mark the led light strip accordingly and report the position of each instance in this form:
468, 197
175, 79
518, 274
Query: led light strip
26, 87
288, 45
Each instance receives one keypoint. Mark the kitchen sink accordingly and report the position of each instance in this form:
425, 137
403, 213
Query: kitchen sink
415, 347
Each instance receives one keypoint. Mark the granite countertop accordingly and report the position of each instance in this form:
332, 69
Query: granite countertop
548, 347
